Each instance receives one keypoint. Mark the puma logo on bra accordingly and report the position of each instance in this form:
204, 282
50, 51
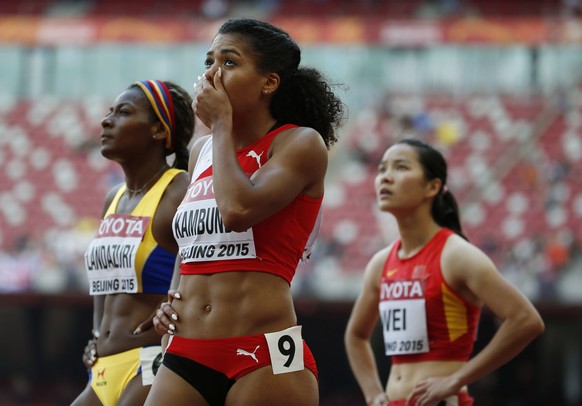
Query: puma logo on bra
253, 154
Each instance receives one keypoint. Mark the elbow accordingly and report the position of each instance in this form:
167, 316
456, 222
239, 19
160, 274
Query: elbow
353, 338
538, 326
347, 339
235, 220
534, 326
349, 343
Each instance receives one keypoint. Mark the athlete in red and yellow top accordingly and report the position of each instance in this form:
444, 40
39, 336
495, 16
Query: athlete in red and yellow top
423, 317
427, 288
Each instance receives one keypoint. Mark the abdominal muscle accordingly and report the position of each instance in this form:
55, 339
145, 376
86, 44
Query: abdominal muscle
233, 304
404, 377
122, 314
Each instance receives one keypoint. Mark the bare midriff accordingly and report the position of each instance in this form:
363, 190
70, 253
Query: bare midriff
121, 316
403, 377
233, 304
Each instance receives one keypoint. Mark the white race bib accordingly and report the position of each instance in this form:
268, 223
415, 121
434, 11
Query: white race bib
404, 326
201, 235
198, 227
286, 350
110, 258
150, 361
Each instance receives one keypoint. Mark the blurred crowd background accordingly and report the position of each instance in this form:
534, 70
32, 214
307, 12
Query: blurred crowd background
496, 85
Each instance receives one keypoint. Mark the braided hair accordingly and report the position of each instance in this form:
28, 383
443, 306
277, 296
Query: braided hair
184, 126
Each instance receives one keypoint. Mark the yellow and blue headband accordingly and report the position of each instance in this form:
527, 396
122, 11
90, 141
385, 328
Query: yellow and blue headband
160, 98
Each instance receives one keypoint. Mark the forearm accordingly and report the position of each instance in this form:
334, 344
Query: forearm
364, 368
98, 307
230, 183
511, 338
175, 282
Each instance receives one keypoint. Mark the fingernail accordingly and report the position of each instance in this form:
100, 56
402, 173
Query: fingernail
174, 316
177, 295
219, 72
172, 327
137, 331
170, 332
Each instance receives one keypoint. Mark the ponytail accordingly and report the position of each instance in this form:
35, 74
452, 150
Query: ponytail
445, 212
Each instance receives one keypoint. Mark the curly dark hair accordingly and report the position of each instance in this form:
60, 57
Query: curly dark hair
184, 123
304, 97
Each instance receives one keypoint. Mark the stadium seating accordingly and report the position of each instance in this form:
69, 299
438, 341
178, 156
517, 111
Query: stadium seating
492, 172
511, 183
53, 173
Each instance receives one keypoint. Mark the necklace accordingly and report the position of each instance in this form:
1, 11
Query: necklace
141, 189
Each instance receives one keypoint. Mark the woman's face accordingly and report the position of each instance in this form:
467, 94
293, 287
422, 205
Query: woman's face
400, 183
127, 127
242, 81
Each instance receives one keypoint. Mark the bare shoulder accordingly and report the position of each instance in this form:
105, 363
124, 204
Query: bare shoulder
375, 266
195, 151
177, 187
300, 139
110, 196
462, 259
197, 146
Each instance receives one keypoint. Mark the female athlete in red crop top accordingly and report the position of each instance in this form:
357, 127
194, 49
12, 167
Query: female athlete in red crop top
427, 288
256, 188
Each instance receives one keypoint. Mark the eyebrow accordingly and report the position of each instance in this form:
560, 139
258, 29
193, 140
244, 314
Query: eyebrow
224, 51
397, 160
120, 105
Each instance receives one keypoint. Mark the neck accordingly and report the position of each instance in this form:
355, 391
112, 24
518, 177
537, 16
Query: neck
144, 180
415, 233
248, 131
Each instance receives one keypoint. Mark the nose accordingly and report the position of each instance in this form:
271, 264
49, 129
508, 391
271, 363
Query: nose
209, 73
211, 70
106, 121
385, 176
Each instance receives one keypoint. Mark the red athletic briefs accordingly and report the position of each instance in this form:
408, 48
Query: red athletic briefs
235, 357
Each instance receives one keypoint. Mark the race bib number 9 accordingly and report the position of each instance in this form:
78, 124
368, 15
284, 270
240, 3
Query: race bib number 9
404, 326
286, 350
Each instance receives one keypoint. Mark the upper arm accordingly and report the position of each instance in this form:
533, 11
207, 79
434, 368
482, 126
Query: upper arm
473, 273
365, 314
297, 165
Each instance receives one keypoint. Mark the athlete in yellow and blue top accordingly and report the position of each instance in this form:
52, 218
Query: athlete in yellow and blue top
131, 260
